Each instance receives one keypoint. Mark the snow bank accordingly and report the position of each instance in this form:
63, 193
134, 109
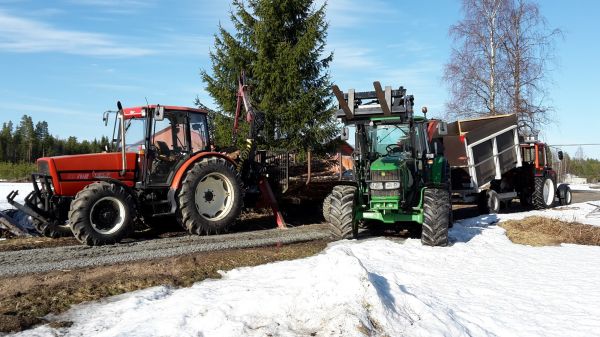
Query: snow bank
5, 188
483, 285
585, 187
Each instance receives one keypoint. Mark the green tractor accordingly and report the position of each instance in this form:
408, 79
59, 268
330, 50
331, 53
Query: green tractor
401, 180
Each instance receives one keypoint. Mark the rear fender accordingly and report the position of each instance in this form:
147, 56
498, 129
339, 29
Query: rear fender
180, 174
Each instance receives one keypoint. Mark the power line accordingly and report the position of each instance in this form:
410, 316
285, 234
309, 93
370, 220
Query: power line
591, 144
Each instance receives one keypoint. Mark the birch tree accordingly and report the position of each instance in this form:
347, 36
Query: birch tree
500, 62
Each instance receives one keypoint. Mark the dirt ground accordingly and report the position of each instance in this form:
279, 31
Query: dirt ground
24, 300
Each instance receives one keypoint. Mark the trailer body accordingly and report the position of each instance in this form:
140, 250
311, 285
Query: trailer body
491, 163
480, 151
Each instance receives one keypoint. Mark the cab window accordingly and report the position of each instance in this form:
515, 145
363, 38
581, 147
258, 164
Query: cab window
199, 132
541, 156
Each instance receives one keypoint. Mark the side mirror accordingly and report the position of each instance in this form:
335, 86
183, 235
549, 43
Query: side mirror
105, 118
345, 133
159, 113
560, 155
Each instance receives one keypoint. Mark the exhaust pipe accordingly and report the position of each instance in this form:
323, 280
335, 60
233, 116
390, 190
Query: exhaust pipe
122, 126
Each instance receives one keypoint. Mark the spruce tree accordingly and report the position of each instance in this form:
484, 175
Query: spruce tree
280, 45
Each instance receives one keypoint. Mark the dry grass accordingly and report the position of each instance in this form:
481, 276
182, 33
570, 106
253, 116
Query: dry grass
540, 231
24, 299
16, 243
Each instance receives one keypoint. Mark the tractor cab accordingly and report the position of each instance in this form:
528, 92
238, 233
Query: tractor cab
537, 155
162, 136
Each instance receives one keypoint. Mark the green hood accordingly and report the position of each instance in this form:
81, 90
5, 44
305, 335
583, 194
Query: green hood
388, 163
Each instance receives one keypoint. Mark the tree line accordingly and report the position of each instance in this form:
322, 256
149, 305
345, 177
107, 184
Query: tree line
27, 141
585, 168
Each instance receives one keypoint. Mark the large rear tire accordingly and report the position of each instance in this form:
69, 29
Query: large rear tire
436, 217
102, 214
543, 193
211, 197
341, 214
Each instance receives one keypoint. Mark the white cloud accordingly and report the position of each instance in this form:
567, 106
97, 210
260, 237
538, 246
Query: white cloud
22, 35
117, 6
19, 108
348, 56
349, 13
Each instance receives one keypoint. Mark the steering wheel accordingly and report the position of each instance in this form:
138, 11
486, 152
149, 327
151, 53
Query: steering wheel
391, 148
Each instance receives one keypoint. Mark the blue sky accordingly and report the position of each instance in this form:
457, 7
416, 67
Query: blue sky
67, 61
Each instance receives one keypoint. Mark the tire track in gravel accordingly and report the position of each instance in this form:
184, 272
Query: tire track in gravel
71, 257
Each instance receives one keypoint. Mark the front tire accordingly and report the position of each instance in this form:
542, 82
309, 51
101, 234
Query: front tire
565, 195
101, 214
543, 193
489, 202
211, 197
341, 212
53, 229
436, 217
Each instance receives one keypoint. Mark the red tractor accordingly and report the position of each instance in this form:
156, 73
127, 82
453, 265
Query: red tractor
536, 179
160, 164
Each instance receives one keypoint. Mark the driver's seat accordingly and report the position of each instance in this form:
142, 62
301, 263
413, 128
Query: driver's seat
163, 148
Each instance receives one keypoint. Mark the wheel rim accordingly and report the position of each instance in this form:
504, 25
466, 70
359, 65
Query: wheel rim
107, 215
496, 203
548, 192
568, 197
214, 196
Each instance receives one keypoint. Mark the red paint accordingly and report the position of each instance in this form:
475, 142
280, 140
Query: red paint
140, 111
70, 174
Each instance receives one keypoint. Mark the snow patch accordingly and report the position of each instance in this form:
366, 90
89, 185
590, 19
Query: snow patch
585, 187
482, 285
5, 188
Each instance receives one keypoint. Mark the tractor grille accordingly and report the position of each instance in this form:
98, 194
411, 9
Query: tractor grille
384, 176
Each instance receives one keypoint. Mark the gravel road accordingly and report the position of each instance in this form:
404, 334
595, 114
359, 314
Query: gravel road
80, 256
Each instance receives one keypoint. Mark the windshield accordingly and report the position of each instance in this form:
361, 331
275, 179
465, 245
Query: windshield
135, 131
390, 139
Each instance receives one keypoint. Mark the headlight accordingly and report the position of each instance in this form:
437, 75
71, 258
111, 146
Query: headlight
376, 186
392, 185
43, 167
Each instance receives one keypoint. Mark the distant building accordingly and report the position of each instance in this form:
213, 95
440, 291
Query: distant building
573, 179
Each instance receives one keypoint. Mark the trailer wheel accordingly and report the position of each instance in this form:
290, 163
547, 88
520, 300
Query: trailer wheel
327, 207
543, 193
211, 197
489, 202
341, 214
565, 196
101, 214
436, 217
53, 229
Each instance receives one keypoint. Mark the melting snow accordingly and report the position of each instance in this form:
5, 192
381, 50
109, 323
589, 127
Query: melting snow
482, 285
